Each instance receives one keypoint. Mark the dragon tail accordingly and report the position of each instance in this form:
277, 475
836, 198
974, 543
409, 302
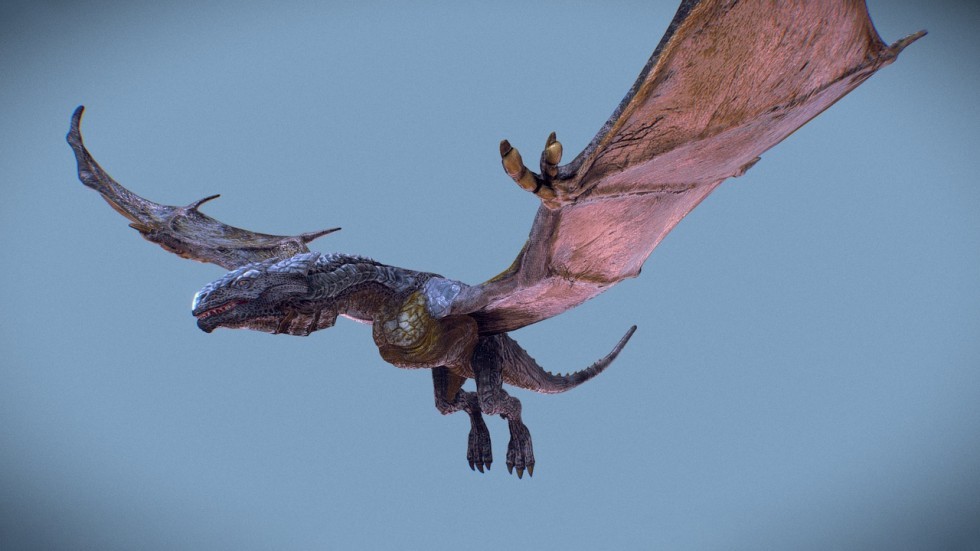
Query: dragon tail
521, 370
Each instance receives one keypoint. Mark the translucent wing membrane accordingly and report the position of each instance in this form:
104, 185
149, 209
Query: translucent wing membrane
727, 82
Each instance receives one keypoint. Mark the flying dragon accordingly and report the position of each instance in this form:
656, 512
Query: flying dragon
729, 80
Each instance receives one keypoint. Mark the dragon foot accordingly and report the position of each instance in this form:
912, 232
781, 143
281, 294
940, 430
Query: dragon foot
538, 184
450, 398
478, 451
520, 452
490, 357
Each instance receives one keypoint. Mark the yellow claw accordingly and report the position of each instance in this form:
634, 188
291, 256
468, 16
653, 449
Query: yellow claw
552, 150
514, 166
511, 159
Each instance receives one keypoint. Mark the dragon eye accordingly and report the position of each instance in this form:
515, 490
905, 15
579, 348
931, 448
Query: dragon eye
243, 283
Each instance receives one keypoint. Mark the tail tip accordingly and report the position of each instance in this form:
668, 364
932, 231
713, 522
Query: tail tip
626, 337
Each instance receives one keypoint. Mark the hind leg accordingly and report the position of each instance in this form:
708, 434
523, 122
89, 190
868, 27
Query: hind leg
488, 366
450, 398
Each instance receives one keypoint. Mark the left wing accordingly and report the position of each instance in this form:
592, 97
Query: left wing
184, 231
729, 80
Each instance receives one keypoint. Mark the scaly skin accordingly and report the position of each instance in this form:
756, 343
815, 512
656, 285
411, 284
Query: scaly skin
306, 293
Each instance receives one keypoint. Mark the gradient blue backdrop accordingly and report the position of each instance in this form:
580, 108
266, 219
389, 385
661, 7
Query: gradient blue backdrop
805, 374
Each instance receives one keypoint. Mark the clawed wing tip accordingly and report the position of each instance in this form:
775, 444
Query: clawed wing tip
195, 241
196, 204
900, 45
74, 135
310, 236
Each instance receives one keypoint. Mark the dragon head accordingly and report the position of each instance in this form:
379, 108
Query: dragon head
264, 296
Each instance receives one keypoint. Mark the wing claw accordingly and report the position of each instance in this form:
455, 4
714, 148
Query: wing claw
550, 157
900, 45
745, 168
510, 157
514, 166
310, 236
196, 204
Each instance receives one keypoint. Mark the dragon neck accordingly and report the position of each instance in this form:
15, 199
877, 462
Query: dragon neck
360, 288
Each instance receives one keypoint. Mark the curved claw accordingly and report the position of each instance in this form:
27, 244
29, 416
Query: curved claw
310, 236
479, 466
520, 451
479, 453
900, 45
196, 204
528, 180
550, 157
510, 157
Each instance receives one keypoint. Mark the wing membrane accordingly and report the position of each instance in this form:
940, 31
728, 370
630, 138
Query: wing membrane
728, 81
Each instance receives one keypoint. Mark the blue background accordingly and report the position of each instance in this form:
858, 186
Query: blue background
805, 374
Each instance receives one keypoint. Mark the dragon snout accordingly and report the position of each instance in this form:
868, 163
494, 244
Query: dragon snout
210, 309
198, 297
206, 326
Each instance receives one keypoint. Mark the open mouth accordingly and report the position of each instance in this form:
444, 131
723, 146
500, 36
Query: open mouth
218, 309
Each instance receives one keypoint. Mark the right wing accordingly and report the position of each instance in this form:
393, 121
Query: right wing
184, 231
